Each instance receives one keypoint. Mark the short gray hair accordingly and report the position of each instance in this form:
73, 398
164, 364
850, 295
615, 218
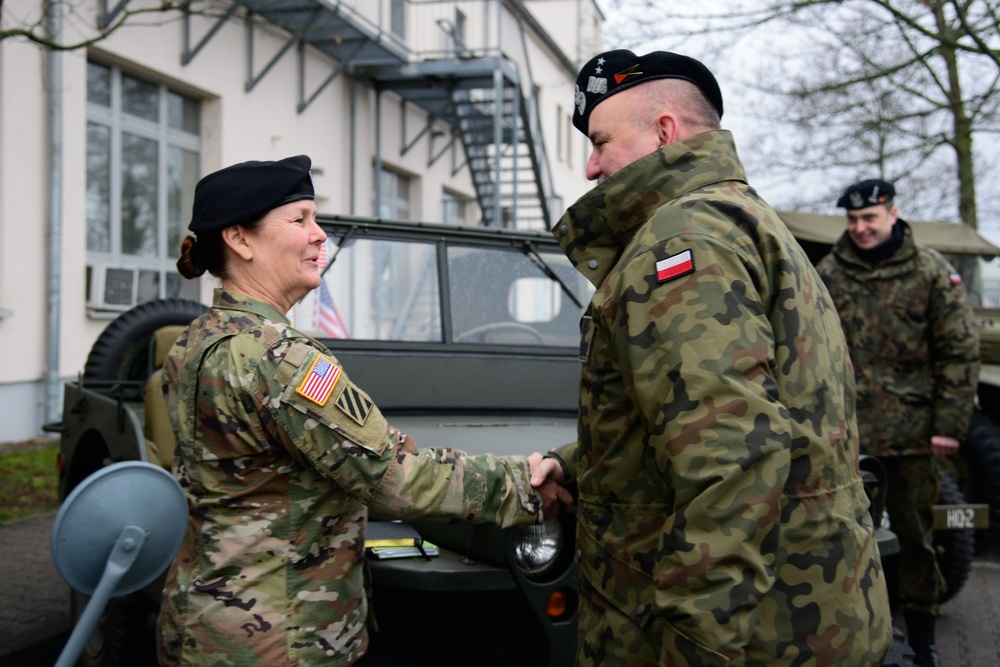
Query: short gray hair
679, 97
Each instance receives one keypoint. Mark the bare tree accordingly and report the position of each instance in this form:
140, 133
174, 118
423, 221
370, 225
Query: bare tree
31, 20
860, 88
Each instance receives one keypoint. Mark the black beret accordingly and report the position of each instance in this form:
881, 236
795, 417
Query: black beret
866, 193
244, 192
614, 71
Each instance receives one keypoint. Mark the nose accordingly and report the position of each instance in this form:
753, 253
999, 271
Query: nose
316, 233
593, 166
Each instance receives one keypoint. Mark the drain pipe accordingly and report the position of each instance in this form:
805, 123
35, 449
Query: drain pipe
54, 278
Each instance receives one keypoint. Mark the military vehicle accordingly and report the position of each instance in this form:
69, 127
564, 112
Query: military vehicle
972, 479
464, 337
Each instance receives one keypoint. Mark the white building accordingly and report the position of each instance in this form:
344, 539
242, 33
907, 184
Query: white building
395, 101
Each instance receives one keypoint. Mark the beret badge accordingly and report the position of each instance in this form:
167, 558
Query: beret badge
866, 193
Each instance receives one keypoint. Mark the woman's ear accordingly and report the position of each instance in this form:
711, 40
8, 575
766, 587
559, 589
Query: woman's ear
235, 237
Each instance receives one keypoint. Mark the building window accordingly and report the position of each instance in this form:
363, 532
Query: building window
460, 21
569, 140
143, 161
454, 209
394, 193
559, 133
397, 18
390, 263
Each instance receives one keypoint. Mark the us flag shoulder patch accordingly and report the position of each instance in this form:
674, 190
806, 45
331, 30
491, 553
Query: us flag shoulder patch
674, 266
355, 404
320, 381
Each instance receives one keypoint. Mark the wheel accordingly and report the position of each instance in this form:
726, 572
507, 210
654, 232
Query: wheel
125, 634
955, 548
981, 455
121, 352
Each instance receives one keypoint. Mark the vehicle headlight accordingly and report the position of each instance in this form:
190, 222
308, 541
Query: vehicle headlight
536, 548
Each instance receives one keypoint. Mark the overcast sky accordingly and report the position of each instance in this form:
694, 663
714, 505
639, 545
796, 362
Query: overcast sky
736, 64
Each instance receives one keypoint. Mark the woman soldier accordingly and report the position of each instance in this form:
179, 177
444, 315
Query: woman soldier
280, 455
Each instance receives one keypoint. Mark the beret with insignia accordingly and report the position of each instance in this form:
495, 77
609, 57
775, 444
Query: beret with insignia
614, 71
866, 193
244, 192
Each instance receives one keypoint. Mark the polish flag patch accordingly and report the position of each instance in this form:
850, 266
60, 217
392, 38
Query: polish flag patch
674, 266
955, 279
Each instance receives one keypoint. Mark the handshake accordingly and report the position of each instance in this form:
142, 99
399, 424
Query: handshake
546, 480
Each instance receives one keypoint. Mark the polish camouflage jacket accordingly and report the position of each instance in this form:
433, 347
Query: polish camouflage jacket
913, 342
721, 518
280, 456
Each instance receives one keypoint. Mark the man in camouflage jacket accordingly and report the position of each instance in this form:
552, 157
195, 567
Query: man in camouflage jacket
721, 515
270, 571
916, 356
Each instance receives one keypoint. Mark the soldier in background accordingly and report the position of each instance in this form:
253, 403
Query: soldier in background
721, 514
280, 454
916, 357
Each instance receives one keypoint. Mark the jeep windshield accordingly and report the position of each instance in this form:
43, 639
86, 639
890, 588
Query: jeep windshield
430, 285
464, 337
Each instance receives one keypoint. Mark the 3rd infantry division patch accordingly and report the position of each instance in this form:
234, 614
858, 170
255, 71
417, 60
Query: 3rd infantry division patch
355, 404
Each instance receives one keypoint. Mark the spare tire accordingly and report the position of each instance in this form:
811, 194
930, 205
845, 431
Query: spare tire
981, 453
122, 351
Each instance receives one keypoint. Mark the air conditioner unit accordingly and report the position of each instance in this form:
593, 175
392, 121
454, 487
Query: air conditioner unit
111, 287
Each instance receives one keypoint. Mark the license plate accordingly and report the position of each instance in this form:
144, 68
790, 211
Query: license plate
961, 517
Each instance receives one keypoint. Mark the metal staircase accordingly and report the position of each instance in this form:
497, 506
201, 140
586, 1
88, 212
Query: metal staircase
482, 100
499, 148
486, 97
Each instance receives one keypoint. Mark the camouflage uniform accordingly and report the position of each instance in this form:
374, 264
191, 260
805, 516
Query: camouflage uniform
722, 519
278, 477
916, 354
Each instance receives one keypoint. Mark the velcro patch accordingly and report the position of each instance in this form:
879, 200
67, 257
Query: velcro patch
320, 381
355, 404
674, 266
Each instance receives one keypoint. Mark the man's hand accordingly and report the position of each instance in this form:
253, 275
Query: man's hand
546, 474
941, 445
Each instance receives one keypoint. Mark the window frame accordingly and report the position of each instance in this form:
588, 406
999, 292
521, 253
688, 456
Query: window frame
118, 123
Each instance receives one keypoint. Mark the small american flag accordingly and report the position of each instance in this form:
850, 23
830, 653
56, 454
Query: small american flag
322, 254
320, 381
327, 316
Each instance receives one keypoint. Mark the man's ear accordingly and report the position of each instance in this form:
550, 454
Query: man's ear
235, 237
667, 129
894, 213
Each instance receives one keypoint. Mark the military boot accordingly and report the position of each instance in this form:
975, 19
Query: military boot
920, 636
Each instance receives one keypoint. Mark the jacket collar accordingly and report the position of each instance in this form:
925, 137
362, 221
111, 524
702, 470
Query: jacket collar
594, 230
844, 250
229, 300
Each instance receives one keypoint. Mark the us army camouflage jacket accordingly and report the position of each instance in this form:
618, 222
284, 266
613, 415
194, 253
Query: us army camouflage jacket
913, 342
721, 516
279, 454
